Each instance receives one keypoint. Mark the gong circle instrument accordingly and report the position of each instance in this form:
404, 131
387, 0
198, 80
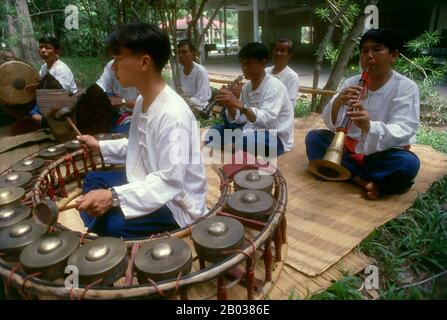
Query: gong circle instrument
16, 237
31, 165
15, 179
104, 259
10, 195
72, 145
216, 236
163, 259
198, 260
253, 204
253, 179
12, 214
49, 254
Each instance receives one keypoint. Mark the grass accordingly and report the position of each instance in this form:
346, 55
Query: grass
86, 71
433, 137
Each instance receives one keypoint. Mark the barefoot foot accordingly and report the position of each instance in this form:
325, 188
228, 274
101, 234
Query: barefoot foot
372, 192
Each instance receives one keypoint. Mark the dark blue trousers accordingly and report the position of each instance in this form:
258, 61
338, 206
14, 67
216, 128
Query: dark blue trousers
263, 137
392, 170
113, 222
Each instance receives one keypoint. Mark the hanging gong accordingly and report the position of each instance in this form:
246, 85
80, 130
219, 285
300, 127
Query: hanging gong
214, 236
163, 259
18, 81
11, 195
16, 237
31, 165
104, 258
253, 179
15, 179
13, 214
49, 254
72, 145
52, 153
252, 204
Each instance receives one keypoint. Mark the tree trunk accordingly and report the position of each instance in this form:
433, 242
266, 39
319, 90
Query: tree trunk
345, 54
26, 31
322, 49
13, 36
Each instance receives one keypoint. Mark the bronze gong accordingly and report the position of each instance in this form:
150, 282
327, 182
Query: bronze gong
252, 204
11, 195
31, 165
15, 179
13, 214
214, 236
49, 254
104, 258
16, 237
72, 145
253, 179
52, 153
163, 259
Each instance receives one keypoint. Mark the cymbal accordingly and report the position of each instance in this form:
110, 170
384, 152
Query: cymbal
52, 152
252, 204
72, 145
16, 80
28, 165
253, 179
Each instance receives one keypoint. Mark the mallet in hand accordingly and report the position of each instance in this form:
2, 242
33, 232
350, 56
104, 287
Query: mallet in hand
64, 114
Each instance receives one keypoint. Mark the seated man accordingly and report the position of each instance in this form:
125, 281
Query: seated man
119, 96
282, 52
383, 125
264, 106
160, 190
49, 49
193, 76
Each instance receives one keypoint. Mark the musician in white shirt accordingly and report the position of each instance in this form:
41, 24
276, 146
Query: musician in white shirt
123, 98
264, 107
194, 79
282, 52
160, 190
49, 49
383, 125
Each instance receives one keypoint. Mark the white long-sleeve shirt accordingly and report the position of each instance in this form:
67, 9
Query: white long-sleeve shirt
109, 83
156, 172
62, 73
290, 79
272, 107
196, 84
394, 113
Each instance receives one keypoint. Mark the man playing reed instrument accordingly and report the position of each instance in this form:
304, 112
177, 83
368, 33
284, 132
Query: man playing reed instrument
376, 148
263, 107
164, 186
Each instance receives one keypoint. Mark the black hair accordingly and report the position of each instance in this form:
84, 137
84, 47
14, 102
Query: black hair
50, 40
186, 42
142, 38
254, 50
386, 37
285, 40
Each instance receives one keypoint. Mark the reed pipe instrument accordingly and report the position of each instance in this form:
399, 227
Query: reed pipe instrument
205, 113
330, 167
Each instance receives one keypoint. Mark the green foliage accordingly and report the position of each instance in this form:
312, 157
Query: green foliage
85, 70
344, 289
302, 108
435, 138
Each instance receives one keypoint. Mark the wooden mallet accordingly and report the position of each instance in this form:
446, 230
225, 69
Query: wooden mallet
64, 114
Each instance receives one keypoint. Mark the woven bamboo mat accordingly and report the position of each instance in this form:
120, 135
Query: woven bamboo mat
326, 220
11, 142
